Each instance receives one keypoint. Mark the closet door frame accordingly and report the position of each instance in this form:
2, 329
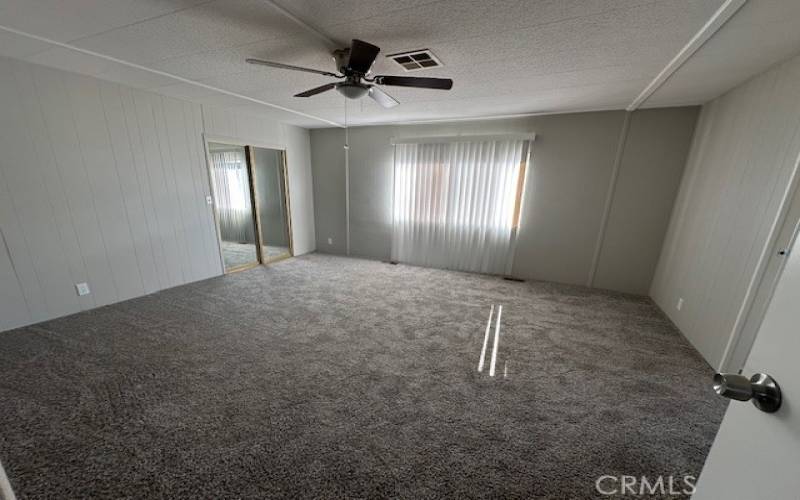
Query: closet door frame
251, 179
249, 157
286, 201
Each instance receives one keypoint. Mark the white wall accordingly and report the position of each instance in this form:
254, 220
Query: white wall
745, 150
566, 192
105, 184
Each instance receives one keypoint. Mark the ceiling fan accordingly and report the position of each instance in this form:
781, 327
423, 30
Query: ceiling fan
354, 64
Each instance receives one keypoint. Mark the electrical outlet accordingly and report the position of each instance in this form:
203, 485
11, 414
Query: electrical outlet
330, 241
209, 200
82, 288
679, 305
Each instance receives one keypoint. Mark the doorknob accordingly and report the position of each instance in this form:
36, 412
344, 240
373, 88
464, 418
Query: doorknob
761, 388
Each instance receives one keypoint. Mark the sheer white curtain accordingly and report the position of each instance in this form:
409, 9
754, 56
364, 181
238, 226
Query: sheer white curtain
454, 203
232, 189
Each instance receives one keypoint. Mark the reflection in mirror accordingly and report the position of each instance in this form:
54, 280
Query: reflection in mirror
270, 187
233, 205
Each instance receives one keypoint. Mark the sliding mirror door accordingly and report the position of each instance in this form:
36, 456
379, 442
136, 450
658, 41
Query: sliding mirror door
269, 174
234, 205
251, 204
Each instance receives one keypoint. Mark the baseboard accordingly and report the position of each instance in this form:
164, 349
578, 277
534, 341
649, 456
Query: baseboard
680, 332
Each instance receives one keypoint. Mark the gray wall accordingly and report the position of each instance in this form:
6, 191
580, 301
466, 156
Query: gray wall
104, 184
655, 150
565, 199
744, 153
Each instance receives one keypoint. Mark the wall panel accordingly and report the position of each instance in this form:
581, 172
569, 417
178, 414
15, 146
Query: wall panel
13, 308
106, 195
169, 258
29, 197
745, 151
70, 174
658, 140
132, 195
101, 184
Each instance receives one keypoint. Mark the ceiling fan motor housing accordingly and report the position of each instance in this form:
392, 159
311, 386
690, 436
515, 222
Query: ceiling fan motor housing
341, 56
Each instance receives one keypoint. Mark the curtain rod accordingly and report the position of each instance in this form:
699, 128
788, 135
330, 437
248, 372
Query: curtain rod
462, 138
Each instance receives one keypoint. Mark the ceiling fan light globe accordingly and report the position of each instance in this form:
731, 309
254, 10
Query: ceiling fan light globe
352, 91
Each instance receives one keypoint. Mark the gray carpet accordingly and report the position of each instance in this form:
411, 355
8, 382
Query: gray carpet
326, 377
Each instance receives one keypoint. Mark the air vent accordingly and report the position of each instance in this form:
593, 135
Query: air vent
416, 60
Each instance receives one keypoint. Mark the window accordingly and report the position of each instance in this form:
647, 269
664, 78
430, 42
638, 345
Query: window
457, 204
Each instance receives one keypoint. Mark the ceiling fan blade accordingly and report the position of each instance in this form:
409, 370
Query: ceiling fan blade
382, 98
362, 55
291, 67
316, 90
413, 81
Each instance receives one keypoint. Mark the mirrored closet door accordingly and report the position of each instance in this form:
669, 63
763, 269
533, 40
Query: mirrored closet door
251, 204
269, 171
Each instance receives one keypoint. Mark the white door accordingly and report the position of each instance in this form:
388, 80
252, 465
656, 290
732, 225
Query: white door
756, 455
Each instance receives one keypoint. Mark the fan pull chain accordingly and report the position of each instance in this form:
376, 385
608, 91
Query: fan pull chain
346, 131
346, 179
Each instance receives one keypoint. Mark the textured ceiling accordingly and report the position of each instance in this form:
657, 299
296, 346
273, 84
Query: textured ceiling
762, 33
506, 56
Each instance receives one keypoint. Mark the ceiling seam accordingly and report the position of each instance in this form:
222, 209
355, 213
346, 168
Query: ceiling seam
123, 26
537, 74
314, 30
709, 29
165, 74
598, 109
